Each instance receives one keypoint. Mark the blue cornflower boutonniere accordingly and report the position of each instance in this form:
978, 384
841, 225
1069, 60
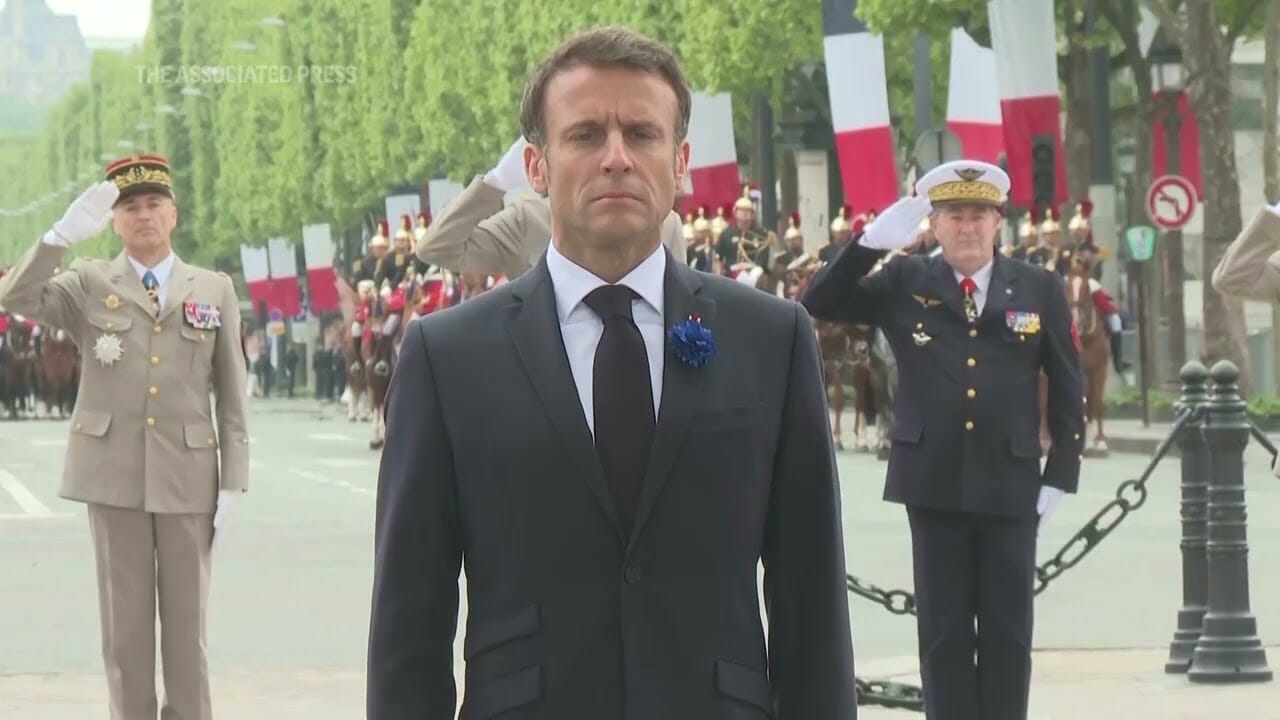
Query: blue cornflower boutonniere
692, 341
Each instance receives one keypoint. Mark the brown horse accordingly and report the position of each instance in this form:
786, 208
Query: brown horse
1095, 347
59, 372
380, 351
18, 363
357, 390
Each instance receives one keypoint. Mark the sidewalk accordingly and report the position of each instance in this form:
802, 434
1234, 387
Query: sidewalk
1068, 685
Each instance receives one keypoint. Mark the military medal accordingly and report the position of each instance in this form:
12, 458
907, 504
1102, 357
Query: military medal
1022, 322
920, 338
202, 316
112, 301
108, 349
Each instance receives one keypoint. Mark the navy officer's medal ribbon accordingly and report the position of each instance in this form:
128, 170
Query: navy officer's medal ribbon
1022, 322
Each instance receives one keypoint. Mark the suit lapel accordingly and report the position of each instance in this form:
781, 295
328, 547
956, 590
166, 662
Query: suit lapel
682, 385
129, 285
944, 283
534, 327
182, 282
1001, 290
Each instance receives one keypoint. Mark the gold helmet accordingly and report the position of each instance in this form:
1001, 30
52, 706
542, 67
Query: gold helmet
745, 202
1050, 223
1080, 224
719, 223
1030, 222
842, 223
380, 239
793, 227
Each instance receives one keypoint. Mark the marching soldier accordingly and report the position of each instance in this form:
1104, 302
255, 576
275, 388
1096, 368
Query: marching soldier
1030, 250
368, 266
971, 332
157, 466
474, 233
702, 248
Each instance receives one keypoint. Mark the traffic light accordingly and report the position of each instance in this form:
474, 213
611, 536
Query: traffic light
1043, 171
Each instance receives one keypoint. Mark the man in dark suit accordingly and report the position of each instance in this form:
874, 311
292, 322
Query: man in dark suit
971, 331
631, 462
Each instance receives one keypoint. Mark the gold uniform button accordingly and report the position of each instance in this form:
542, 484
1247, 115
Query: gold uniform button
973, 362
155, 359
968, 425
973, 332
919, 325
151, 422
110, 324
1077, 436
210, 442
153, 390
972, 393
158, 329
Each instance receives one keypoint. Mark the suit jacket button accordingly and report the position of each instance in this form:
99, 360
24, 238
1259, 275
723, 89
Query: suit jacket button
968, 425
633, 574
972, 362
973, 332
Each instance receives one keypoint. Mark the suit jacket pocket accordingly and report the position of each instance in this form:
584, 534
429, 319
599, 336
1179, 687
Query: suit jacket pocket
500, 629
91, 422
110, 323
732, 418
199, 435
744, 684
501, 694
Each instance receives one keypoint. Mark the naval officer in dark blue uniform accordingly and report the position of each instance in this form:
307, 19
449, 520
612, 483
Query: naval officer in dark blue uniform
971, 331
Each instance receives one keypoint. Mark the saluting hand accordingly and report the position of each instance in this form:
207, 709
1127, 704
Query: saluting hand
87, 215
898, 226
509, 173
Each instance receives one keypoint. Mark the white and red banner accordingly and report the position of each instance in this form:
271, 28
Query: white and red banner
713, 159
1023, 38
398, 205
286, 296
859, 108
322, 280
257, 276
973, 99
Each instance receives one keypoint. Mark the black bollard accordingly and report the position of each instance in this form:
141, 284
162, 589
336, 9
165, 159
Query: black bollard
1195, 495
1229, 649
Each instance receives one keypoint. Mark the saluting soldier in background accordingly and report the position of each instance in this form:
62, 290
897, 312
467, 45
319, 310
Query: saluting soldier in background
971, 332
476, 234
156, 465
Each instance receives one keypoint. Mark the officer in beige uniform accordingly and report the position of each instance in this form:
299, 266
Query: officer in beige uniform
1250, 268
474, 233
157, 466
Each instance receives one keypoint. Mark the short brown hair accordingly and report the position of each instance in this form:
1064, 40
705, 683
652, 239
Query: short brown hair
612, 46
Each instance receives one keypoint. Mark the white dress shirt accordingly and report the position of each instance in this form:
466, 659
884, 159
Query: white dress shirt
162, 271
581, 328
982, 279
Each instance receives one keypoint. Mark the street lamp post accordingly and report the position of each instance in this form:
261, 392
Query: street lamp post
1167, 59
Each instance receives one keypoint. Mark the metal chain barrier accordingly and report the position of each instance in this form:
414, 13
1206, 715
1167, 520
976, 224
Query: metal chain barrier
1262, 439
1130, 495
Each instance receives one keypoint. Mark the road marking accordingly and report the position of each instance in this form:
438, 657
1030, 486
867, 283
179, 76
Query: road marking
326, 437
348, 462
29, 503
321, 479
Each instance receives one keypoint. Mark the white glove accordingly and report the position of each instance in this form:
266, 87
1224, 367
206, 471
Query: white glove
898, 225
509, 173
226, 503
87, 216
1274, 208
1050, 497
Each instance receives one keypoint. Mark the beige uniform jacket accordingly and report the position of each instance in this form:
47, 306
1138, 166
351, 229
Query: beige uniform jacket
143, 434
1250, 268
474, 233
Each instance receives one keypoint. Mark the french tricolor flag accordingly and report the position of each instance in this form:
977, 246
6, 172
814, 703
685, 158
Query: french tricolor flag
257, 276
284, 277
713, 158
1022, 36
859, 108
973, 99
322, 281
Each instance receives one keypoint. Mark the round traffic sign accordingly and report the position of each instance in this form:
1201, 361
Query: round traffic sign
1171, 201
275, 315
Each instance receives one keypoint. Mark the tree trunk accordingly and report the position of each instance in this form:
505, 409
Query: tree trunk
1076, 143
1270, 161
1208, 60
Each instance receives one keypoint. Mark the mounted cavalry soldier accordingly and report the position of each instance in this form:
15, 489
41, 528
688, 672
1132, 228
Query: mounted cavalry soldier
740, 244
971, 332
158, 466
368, 266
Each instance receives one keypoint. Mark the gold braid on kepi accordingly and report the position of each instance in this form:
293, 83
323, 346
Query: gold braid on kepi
136, 174
965, 182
